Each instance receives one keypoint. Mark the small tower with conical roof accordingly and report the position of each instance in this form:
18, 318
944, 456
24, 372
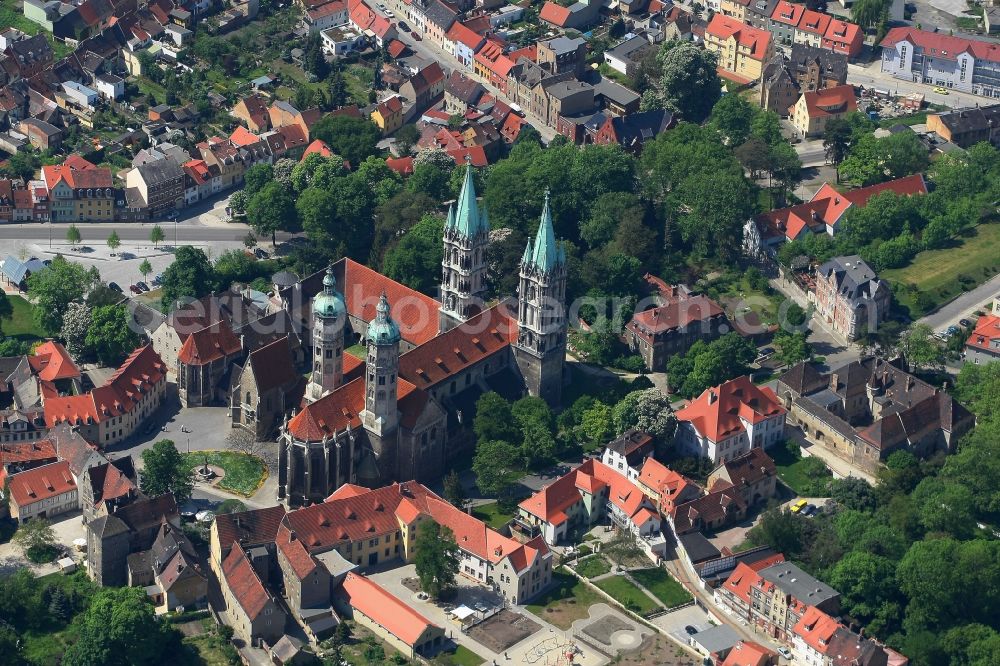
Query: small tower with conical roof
382, 375
540, 350
329, 316
463, 266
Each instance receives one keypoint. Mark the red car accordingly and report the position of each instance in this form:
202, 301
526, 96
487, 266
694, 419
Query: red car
415, 36
134, 289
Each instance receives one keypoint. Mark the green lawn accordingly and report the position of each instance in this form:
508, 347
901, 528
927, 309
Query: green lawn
913, 119
357, 351
568, 600
244, 473
492, 515
662, 586
938, 272
10, 17
461, 656
593, 566
807, 477
21, 324
627, 594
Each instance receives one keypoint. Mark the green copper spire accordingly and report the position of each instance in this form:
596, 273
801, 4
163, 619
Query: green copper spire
450, 221
329, 302
526, 259
469, 219
547, 254
383, 330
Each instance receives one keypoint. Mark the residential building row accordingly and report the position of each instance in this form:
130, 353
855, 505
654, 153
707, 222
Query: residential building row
936, 58
312, 561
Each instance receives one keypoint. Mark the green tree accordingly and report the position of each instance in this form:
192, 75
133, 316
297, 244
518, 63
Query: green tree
494, 419
837, 142
689, 84
416, 259
316, 207
596, 424
73, 235
230, 506
453, 490
120, 628
497, 466
733, 117
164, 471
189, 276
6, 309
608, 213
622, 547
407, 137
710, 213
918, 347
110, 335
270, 210
76, 323
647, 410
54, 288
865, 582
145, 268
792, 347
256, 177
35, 537
156, 235
354, 138
114, 242
436, 557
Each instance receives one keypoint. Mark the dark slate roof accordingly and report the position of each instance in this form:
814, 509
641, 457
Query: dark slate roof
145, 513
466, 89
979, 119
107, 526
160, 171
440, 14
803, 378
833, 65
697, 547
638, 128
856, 281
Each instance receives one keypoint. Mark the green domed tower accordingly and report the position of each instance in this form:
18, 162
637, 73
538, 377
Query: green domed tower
382, 373
329, 316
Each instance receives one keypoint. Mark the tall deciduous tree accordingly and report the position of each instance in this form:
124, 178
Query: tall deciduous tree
164, 471
497, 465
436, 557
114, 242
54, 288
416, 259
76, 323
354, 138
689, 84
120, 628
73, 235
270, 210
156, 235
189, 276
34, 536
110, 336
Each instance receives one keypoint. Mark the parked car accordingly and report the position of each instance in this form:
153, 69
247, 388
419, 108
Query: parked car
403, 26
941, 91
413, 33
114, 285
965, 323
809, 510
389, 14
157, 279
134, 289
691, 631
785, 652
952, 330
142, 285
260, 253
798, 506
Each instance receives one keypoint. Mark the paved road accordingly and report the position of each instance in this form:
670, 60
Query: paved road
811, 153
963, 305
871, 75
129, 231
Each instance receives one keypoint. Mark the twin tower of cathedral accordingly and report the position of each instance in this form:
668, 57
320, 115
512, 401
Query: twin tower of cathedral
540, 346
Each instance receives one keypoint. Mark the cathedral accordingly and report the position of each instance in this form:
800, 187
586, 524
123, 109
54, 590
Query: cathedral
407, 407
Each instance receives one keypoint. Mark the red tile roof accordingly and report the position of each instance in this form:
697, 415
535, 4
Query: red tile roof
816, 628
241, 136
555, 14
724, 27
373, 601
748, 653
459, 32
108, 483
380, 26
987, 330
719, 411
401, 165
396, 48
52, 362
814, 22
335, 7
87, 178
831, 101
390, 105
843, 32
671, 486
487, 333
361, 15
319, 147
139, 374
251, 527
244, 583
491, 57
20, 452
941, 45
197, 170
209, 344
788, 13
476, 155
41, 483
415, 313
676, 314
77, 162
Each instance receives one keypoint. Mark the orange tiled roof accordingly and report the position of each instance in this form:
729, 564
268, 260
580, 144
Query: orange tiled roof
554, 14
41, 483
319, 147
415, 313
459, 32
241, 136
52, 362
209, 344
244, 583
748, 653
108, 483
816, 628
724, 27
788, 13
717, 412
814, 22
987, 329
19, 452
401, 165
372, 600
830, 101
